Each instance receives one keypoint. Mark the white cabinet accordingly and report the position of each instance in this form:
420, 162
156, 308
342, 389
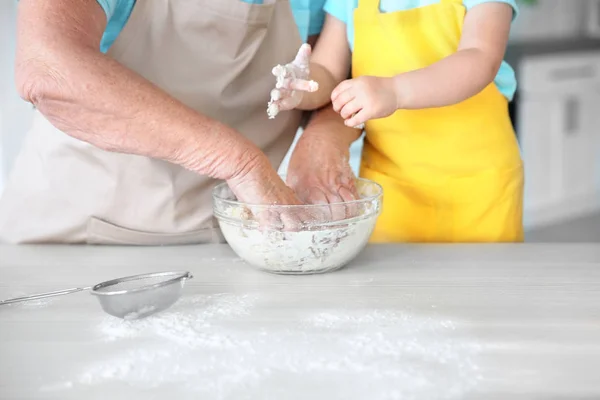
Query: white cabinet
559, 130
580, 145
540, 145
549, 19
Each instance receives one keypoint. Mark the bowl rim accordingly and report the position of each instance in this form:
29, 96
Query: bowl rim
367, 199
174, 277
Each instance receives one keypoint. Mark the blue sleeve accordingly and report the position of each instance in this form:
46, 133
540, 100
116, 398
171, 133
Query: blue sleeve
317, 16
338, 9
117, 14
472, 3
309, 16
109, 7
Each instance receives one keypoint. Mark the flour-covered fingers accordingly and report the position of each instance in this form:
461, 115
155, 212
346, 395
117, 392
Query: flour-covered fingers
349, 196
302, 85
302, 59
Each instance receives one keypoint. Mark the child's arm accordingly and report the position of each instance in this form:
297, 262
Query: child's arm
449, 81
328, 64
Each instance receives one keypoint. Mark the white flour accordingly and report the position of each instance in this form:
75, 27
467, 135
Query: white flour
140, 313
299, 252
304, 251
272, 108
218, 347
282, 72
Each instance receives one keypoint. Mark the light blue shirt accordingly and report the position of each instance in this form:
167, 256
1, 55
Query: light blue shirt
308, 14
344, 10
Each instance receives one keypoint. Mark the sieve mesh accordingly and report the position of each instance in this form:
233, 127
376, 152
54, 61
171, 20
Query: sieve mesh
137, 282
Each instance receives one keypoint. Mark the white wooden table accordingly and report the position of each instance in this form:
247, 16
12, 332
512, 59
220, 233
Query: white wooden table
405, 322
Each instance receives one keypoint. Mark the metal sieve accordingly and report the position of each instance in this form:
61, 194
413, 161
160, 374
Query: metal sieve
131, 297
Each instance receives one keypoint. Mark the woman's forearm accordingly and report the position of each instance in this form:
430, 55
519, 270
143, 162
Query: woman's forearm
327, 124
114, 109
450, 81
91, 97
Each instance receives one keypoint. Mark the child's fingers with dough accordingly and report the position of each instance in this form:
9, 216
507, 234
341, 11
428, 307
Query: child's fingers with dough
291, 82
302, 59
301, 85
283, 99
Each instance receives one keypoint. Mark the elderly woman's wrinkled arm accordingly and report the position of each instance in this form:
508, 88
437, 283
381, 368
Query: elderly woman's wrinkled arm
91, 97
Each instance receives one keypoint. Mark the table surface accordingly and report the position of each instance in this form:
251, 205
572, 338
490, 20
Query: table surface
401, 321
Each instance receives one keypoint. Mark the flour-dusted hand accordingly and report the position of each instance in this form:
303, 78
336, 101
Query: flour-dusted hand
320, 173
361, 99
292, 82
266, 196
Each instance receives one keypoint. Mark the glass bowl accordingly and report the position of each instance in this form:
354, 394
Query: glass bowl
334, 235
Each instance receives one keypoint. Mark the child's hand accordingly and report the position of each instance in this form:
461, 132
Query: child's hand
364, 98
292, 81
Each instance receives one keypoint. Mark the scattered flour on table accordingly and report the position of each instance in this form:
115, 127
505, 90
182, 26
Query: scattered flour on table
140, 313
212, 347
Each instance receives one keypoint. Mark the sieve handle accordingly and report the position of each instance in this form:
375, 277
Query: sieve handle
42, 295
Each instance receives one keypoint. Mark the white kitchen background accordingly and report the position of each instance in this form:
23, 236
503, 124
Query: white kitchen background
555, 47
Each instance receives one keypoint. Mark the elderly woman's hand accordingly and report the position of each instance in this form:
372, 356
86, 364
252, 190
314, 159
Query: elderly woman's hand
319, 169
258, 184
261, 185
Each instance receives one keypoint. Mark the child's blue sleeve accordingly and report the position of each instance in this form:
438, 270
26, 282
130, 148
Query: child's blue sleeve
339, 9
472, 3
309, 16
109, 7
117, 14
317, 17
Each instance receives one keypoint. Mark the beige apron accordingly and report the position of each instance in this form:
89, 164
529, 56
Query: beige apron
213, 55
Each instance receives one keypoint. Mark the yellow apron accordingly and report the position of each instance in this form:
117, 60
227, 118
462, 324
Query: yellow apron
449, 174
